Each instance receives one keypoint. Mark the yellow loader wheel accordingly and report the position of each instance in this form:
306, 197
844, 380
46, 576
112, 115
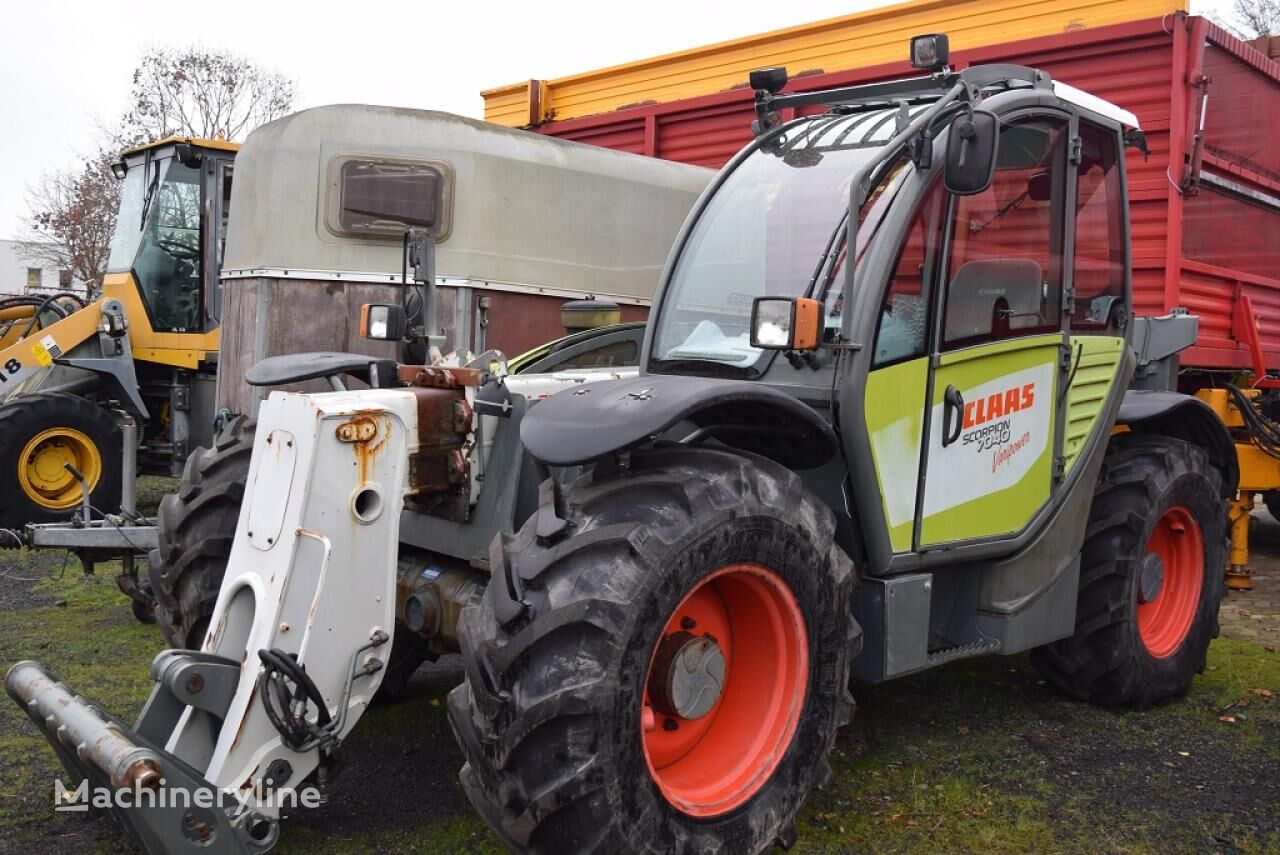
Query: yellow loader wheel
39, 435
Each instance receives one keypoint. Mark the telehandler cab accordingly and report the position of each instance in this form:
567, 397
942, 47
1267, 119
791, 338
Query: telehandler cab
884, 421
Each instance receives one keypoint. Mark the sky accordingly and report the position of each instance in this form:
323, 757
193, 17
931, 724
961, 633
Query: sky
65, 66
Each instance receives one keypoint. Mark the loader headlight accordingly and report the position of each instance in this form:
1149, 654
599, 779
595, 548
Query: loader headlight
119, 169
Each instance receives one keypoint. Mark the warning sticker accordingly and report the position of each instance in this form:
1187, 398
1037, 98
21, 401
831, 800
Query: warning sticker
50, 345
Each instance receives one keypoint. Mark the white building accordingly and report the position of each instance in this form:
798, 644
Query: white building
21, 275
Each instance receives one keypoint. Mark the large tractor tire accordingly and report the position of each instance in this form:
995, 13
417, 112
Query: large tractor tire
41, 432
1151, 577
197, 527
660, 662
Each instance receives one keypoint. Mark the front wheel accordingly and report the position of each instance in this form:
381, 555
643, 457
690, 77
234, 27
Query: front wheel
1151, 577
660, 661
43, 433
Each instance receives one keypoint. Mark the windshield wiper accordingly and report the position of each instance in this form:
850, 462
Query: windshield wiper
151, 189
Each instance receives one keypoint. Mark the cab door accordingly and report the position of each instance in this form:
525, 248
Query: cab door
991, 415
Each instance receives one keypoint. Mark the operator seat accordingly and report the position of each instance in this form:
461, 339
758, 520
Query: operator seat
991, 291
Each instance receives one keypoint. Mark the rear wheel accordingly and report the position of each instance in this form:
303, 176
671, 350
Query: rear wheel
1151, 577
660, 661
40, 434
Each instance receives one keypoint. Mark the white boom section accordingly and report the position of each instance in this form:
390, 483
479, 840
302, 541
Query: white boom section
311, 572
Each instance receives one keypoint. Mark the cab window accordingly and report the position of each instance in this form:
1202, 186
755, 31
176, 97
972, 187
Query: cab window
167, 266
1098, 266
903, 327
1004, 276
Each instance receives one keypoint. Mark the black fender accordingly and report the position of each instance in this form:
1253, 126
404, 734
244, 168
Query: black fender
297, 367
583, 424
1186, 418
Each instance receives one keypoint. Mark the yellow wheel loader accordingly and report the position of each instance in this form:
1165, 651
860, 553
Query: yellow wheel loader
140, 359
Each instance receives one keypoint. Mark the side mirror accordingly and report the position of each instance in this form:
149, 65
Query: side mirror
783, 323
383, 322
971, 153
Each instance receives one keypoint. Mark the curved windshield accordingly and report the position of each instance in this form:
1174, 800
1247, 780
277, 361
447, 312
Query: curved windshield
771, 230
157, 237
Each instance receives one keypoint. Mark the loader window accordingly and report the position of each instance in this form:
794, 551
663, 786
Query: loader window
1005, 269
1099, 255
168, 264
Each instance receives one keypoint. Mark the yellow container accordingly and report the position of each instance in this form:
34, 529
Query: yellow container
859, 40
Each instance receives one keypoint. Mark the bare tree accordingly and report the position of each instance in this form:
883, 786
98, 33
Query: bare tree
72, 215
203, 93
1258, 17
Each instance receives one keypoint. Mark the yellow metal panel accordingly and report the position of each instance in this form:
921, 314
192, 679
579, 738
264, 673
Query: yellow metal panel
198, 142
184, 350
1259, 471
860, 40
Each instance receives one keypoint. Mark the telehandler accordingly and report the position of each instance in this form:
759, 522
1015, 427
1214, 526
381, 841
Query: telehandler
886, 419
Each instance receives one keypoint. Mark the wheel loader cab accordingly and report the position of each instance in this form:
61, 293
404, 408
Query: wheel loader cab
168, 240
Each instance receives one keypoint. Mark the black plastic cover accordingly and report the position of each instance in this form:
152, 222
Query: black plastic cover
585, 423
296, 367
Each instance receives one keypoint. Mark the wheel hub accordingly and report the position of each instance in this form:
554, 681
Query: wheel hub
42, 472
687, 679
1150, 578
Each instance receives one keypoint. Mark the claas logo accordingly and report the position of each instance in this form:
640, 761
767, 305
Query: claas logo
999, 405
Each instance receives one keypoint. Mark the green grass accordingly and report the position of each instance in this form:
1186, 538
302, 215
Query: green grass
978, 756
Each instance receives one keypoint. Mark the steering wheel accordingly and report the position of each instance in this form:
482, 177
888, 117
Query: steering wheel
179, 249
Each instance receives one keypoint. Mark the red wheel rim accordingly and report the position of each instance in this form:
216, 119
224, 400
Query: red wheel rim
1165, 621
709, 765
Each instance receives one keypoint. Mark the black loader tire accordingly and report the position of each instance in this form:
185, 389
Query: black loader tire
1271, 499
1106, 660
556, 654
197, 526
25, 417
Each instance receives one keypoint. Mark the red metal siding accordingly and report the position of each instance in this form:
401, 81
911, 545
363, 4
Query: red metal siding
1152, 68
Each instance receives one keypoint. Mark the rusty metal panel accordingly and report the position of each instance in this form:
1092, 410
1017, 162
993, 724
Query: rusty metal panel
269, 316
860, 40
520, 322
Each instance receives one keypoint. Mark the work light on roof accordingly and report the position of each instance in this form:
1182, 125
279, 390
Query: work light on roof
931, 52
770, 80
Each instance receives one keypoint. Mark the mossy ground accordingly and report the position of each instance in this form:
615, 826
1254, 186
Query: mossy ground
978, 756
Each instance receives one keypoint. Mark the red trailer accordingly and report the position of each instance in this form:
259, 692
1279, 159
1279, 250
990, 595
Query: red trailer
1205, 205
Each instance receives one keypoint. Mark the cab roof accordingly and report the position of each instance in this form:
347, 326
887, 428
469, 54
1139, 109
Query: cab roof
198, 142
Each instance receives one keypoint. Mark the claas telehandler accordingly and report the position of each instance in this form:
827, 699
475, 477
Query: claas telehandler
894, 410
